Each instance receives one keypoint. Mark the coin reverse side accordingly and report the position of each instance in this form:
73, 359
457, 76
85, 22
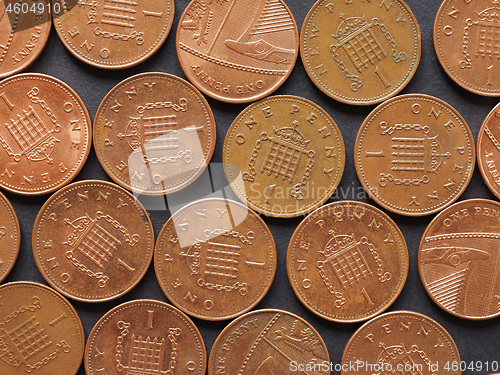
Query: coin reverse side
10, 237
488, 150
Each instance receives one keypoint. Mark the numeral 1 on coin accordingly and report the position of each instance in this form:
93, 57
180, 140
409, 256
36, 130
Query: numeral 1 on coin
488, 81
382, 77
367, 297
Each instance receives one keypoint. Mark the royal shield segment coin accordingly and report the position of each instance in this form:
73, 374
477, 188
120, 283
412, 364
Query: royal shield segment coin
10, 237
488, 151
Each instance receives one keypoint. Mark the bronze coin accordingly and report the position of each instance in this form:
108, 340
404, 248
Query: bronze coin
283, 156
10, 237
145, 337
215, 259
40, 332
401, 342
154, 133
237, 51
459, 259
265, 342
46, 137
347, 261
113, 34
93, 241
414, 154
24, 31
360, 52
488, 150
467, 45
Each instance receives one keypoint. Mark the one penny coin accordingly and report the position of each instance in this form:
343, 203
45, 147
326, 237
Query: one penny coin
113, 34
360, 52
459, 259
10, 237
93, 241
488, 150
47, 134
145, 337
414, 154
154, 133
269, 342
40, 332
237, 51
284, 156
347, 261
215, 259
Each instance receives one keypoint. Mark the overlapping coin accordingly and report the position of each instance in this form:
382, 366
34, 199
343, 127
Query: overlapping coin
10, 237
488, 150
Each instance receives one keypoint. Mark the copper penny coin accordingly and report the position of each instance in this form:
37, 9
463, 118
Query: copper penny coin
113, 34
154, 133
93, 241
467, 44
283, 156
24, 30
40, 332
488, 150
459, 259
269, 342
360, 52
145, 337
401, 342
414, 154
347, 261
46, 135
237, 51
10, 237
215, 259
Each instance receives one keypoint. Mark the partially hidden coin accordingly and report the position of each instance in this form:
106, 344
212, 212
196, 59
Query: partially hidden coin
24, 31
269, 342
47, 134
93, 241
459, 259
284, 156
414, 154
403, 342
360, 52
237, 51
488, 151
347, 261
215, 259
40, 332
10, 237
113, 34
145, 337
154, 133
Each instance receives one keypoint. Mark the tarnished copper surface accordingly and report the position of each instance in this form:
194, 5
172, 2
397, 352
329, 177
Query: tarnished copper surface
215, 259
237, 51
347, 261
46, 137
284, 156
360, 52
467, 44
93, 241
401, 342
414, 154
113, 34
265, 342
488, 150
145, 337
154, 133
40, 332
459, 259
10, 237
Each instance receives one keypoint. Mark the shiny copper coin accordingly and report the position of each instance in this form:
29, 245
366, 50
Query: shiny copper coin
145, 337
24, 30
45, 139
347, 261
237, 51
488, 150
40, 332
401, 342
284, 156
154, 133
269, 342
113, 34
360, 52
10, 237
93, 241
414, 154
459, 259
467, 45
215, 259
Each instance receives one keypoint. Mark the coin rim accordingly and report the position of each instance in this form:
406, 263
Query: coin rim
17, 234
482, 168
